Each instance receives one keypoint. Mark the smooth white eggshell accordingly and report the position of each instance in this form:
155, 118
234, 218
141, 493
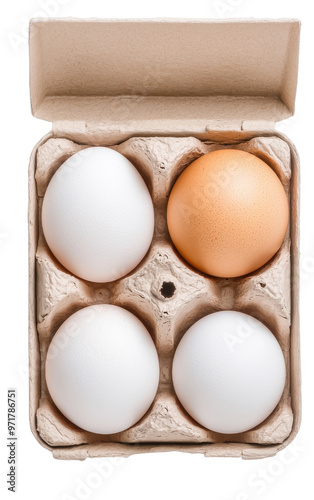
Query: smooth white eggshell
229, 372
97, 215
102, 369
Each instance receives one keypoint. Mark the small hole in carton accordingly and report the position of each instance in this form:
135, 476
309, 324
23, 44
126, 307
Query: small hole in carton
167, 290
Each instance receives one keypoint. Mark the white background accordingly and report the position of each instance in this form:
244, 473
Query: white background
170, 475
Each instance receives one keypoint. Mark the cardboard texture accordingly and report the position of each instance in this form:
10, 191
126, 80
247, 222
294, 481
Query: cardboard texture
162, 93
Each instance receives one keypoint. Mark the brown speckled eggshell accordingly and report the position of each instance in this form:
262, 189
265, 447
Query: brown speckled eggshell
228, 213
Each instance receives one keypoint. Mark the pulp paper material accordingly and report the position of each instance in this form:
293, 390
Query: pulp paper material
96, 71
265, 294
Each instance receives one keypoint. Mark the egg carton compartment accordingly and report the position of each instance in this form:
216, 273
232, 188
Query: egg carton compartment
167, 295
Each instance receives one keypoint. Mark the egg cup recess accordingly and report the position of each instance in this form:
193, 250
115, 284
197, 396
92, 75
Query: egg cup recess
265, 295
102, 369
228, 213
229, 372
97, 215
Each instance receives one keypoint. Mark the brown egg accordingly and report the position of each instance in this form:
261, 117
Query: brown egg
228, 213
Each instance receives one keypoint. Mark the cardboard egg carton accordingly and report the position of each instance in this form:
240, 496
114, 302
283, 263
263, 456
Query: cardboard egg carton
163, 291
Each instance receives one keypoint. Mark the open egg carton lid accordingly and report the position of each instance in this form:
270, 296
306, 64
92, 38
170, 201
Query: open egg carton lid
162, 75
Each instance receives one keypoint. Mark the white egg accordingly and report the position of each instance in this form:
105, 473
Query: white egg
229, 372
102, 369
97, 215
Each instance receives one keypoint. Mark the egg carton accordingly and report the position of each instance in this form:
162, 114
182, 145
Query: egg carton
168, 296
